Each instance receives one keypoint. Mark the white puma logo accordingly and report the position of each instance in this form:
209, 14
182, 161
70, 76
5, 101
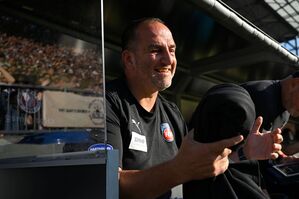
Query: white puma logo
136, 124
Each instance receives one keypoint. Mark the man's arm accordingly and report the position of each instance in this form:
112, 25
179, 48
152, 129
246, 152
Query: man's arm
194, 161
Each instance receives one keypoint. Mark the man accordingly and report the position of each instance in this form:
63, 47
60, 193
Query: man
275, 100
148, 130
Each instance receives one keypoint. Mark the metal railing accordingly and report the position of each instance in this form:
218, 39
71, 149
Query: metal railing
21, 106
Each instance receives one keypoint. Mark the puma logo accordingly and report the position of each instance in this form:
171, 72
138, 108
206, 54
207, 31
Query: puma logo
136, 124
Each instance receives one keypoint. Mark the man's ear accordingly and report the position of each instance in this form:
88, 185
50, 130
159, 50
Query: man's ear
128, 59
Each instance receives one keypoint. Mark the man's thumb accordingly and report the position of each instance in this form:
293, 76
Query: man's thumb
257, 125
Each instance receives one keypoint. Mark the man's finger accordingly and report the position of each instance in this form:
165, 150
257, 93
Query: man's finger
274, 156
276, 147
277, 138
226, 143
224, 153
277, 131
257, 125
281, 154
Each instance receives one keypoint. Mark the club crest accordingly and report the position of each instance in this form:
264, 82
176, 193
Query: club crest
167, 132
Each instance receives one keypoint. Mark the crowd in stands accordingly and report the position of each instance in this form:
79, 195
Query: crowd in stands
31, 54
50, 64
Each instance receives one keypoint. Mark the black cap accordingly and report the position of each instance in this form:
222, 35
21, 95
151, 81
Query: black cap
226, 110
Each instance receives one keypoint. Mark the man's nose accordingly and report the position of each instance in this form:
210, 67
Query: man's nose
167, 58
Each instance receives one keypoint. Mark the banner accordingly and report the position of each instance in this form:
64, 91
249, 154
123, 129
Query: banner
65, 109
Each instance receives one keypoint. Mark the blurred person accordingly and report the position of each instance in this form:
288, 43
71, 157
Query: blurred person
20, 106
275, 100
4, 74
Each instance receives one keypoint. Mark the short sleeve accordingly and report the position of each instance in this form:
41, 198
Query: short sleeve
114, 137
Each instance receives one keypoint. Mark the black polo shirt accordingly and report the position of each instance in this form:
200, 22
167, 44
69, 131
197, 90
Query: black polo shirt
143, 138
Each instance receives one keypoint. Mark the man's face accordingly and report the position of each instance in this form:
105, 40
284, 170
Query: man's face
154, 56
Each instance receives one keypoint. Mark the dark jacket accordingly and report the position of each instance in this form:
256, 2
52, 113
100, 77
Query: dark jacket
225, 111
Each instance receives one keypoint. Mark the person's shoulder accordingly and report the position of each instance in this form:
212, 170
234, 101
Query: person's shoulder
259, 84
114, 85
114, 89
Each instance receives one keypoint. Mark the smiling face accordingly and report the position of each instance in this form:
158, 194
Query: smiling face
151, 60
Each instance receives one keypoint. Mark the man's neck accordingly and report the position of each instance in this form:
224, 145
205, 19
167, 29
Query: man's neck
144, 96
148, 103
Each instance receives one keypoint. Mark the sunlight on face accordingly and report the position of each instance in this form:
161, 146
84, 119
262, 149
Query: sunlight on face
155, 56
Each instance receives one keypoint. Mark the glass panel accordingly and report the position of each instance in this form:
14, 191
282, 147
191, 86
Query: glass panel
51, 74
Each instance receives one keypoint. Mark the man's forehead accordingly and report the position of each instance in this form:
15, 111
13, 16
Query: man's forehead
156, 35
154, 28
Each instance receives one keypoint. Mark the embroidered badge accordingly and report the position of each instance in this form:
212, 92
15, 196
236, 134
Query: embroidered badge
166, 132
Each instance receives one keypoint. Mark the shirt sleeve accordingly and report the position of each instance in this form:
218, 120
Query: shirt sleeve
114, 136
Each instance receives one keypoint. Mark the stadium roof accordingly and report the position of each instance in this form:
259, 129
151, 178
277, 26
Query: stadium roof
278, 18
288, 9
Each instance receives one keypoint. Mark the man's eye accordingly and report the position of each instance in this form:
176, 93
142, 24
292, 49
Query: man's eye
155, 50
172, 50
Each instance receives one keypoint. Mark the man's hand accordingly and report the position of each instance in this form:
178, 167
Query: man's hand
202, 160
262, 146
194, 161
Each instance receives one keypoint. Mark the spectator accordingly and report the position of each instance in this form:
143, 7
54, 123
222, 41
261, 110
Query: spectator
275, 100
4, 74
